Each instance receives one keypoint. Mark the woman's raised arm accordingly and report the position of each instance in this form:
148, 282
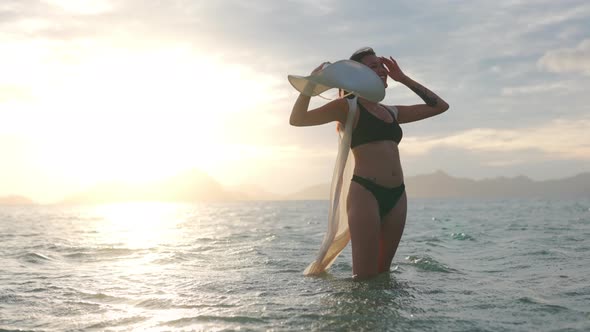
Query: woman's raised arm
335, 110
433, 104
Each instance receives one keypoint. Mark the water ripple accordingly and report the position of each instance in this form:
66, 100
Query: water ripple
35, 258
427, 263
202, 269
187, 321
538, 304
462, 237
124, 321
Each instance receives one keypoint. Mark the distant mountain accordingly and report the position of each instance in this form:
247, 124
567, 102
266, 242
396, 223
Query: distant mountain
252, 192
440, 184
194, 186
317, 192
190, 186
16, 200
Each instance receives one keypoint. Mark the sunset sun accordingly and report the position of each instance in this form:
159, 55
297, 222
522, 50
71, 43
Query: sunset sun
135, 116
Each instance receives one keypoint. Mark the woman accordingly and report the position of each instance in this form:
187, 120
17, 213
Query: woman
376, 202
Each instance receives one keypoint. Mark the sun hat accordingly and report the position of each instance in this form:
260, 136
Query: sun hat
348, 75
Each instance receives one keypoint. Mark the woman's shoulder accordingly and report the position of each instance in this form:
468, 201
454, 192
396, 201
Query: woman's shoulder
340, 104
391, 108
343, 102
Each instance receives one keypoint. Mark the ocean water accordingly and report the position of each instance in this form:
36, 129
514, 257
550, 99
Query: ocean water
462, 265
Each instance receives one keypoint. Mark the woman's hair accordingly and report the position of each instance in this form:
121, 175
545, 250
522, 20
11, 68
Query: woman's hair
359, 54
345, 94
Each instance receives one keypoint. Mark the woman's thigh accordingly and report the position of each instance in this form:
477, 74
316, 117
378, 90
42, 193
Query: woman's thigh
364, 225
392, 229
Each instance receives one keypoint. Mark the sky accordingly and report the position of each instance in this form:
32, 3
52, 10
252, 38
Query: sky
137, 90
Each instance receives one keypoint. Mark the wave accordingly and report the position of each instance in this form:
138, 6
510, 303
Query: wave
35, 258
185, 321
102, 298
177, 257
541, 306
11, 299
427, 263
431, 241
160, 304
125, 321
156, 304
101, 253
462, 237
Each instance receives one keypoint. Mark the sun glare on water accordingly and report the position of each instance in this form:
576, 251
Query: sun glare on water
139, 225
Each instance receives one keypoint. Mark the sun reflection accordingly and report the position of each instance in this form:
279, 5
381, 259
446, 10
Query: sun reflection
136, 225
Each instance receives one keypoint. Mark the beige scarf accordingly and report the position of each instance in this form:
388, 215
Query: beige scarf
337, 235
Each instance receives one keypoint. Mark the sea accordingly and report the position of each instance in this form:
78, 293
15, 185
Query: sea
462, 265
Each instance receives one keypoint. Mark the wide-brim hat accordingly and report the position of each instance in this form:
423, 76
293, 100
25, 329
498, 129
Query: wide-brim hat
348, 75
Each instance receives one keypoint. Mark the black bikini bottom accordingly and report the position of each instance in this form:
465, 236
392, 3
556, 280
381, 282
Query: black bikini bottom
386, 197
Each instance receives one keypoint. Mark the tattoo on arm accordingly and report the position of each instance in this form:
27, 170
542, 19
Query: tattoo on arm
423, 93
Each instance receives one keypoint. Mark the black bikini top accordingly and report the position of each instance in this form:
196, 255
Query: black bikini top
370, 129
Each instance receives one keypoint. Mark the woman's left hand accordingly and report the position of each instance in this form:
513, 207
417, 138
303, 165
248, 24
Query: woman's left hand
393, 69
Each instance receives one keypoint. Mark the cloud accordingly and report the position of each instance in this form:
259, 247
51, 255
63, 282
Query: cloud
535, 89
567, 60
539, 16
87, 7
558, 139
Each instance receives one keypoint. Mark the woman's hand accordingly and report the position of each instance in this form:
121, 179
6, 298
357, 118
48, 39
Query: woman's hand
393, 69
320, 67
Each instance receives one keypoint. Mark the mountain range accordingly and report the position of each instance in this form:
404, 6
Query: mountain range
192, 186
440, 184
15, 200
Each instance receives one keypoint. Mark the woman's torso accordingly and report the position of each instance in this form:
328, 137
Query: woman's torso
376, 151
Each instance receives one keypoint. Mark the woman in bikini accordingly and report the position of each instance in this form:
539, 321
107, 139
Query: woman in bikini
376, 201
